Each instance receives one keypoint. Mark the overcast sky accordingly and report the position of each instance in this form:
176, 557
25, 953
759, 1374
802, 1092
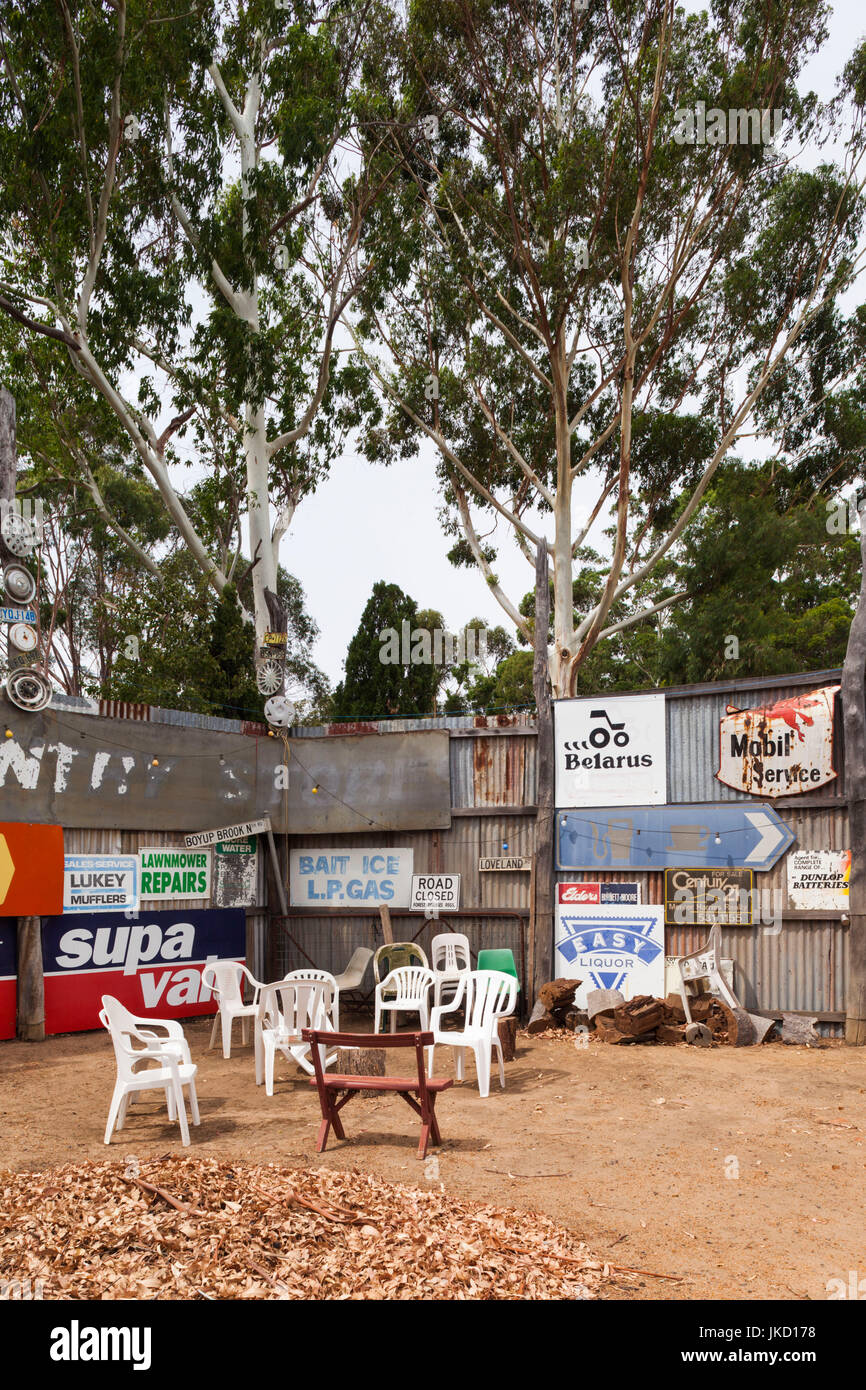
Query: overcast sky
369, 523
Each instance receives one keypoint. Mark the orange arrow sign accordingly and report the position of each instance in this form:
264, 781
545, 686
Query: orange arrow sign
31, 869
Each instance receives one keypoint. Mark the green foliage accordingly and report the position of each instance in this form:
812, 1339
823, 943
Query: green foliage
374, 687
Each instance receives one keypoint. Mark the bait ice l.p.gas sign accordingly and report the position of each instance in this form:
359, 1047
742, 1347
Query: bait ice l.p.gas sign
779, 750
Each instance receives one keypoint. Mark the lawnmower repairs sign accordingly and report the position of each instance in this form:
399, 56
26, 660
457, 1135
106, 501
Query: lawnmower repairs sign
610, 947
8, 979
151, 962
321, 878
169, 872
611, 751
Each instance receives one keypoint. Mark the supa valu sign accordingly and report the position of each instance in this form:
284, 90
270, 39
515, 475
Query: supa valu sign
152, 963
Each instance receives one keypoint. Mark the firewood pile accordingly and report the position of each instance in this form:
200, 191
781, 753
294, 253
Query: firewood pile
186, 1228
643, 1019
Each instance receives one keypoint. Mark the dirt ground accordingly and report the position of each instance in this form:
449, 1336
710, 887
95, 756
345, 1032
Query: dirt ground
739, 1172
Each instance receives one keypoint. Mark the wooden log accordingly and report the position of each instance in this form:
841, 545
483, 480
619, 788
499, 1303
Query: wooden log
604, 1001
642, 1014
31, 983
361, 1061
558, 994
540, 1020
673, 1010
576, 1018
799, 1031
542, 906
507, 1028
671, 1033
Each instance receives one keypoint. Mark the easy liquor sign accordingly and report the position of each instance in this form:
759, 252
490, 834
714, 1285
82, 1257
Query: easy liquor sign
779, 750
151, 963
610, 947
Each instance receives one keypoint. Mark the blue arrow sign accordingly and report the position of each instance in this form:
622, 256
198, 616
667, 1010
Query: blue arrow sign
748, 835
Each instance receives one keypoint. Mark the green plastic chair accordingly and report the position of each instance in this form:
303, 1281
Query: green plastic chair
499, 958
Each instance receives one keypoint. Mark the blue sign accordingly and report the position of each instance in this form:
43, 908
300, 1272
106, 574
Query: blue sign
723, 836
17, 615
610, 947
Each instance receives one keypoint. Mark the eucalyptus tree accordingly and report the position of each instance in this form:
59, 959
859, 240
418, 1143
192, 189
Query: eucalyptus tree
608, 265
182, 192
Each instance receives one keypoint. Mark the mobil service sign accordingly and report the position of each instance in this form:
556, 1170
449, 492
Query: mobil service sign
151, 962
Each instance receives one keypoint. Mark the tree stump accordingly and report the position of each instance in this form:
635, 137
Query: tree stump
508, 1036
361, 1061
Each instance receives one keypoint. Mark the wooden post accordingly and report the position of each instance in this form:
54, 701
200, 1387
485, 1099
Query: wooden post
387, 929
31, 982
854, 719
361, 1061
31, 986
541, 933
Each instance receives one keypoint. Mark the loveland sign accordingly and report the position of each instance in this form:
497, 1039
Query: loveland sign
203, 838
169, 872
31, 869
152, 963
504, 862
609, 947
667, 837
779, 750
8, 979
611, 751
589, 894
818, 878
708, 897
436, 892
321, 878
100, 883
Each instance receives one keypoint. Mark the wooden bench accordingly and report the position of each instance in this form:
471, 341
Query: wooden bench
336, 1090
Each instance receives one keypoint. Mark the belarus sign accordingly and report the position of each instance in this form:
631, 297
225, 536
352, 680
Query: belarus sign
610, 947
168, 872
8, 979
357, 876
100, 883
611, 751
31, 869
661, 837
779, 750
441, 892
152, 964
708, 897
203, 838
818, 878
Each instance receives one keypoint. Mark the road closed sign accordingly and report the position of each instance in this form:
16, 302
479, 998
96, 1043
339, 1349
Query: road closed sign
31, 869
435, 892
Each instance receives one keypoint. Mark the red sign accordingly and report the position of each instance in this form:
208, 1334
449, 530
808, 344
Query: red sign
31, 869
8, 980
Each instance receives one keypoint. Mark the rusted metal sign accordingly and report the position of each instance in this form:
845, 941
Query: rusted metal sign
82, 770
779, 750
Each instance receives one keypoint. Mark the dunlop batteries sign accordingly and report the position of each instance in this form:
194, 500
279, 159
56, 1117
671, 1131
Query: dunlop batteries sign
779, 750
169, 872
611, 751
152, 964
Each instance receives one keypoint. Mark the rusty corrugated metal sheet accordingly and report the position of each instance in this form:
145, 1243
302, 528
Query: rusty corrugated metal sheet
491, 771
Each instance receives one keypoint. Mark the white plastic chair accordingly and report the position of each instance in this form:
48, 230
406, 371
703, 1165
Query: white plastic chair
226, 983
173, 1071
490, 995
352, 977
451, 961
405, 990
703, 965
284, 1009
332, 999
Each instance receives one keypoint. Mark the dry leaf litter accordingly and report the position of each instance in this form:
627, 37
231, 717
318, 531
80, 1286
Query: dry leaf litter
186, 1228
